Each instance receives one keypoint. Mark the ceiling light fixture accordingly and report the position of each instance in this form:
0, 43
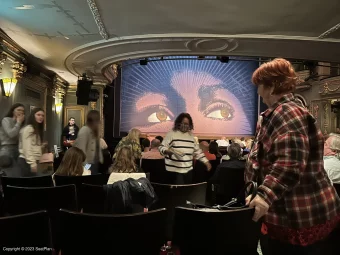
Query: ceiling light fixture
25, 7
8, 86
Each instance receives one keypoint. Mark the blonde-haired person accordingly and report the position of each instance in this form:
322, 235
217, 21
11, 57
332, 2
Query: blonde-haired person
124, 166
72, 164
332, 162
132, 139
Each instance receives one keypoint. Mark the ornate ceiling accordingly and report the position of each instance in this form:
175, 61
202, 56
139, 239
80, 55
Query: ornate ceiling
72, 37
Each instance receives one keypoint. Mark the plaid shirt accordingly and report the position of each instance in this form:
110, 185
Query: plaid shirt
287, 160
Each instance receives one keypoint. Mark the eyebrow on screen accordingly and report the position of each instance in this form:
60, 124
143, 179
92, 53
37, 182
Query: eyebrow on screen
207, 97
151, 99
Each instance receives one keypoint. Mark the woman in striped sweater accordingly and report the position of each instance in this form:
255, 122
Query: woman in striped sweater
179, 148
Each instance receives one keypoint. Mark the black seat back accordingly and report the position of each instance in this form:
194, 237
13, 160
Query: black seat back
170, 196
20, 200
27, 230
39, 181
97, 179
94, 198
216, 232
214, 164
156, 168
141, 233
200, 172
229, 184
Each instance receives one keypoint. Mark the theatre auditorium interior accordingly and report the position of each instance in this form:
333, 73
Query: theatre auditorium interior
170, 127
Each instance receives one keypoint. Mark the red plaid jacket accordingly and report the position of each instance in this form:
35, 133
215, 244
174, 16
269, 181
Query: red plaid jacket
287, 160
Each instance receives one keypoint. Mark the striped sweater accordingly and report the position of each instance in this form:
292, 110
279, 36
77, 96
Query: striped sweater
185, 143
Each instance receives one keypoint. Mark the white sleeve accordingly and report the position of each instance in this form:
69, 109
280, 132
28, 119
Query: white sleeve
166, 143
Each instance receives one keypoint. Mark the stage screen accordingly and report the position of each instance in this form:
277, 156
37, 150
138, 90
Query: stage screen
219, 96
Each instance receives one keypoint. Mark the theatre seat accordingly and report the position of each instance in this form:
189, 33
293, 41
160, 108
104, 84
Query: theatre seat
97, 179
27, 230
156, 168
94, 198
216, 232
170, 196
141, 233
19, 200
39, 181
228, 185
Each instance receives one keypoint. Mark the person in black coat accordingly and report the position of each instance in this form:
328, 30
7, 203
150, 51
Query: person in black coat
70, 133
234, 152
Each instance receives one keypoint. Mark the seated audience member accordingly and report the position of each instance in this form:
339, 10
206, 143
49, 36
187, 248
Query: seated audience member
243, 141
160, 138
124, 166
332, 162
213, 149
145, 145
234, 152
249, 144
223, 142
154, 152
204, 146
132, 139
327, 151
73, 163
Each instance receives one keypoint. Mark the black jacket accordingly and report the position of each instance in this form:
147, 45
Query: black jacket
122, 196
67, 135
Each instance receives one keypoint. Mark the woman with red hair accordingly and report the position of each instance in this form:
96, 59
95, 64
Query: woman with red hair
300, 206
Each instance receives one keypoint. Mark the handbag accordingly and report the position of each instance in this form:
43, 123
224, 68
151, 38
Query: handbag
235, 203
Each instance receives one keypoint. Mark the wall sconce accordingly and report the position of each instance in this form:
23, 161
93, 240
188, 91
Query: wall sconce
8, 86
58, 107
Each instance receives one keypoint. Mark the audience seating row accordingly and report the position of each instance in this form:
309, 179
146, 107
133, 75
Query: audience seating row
195, 232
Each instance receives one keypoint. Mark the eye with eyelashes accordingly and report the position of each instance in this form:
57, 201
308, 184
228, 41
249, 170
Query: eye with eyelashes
157, 114
220, 110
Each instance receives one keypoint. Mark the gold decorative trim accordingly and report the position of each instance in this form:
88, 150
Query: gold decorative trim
75, 108
3, 58
325, 123
59, 87
18, 70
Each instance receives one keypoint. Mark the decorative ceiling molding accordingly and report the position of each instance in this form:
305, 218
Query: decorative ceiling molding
329, 31
213, 45
97, 17
98, 56
330, 85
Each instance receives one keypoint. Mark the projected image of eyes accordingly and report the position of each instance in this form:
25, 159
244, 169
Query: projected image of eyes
220, 111
218, 96
159, 116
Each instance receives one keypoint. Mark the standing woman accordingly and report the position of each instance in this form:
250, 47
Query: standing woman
88, 141
300, 206
9, 131
31, 143
179, 149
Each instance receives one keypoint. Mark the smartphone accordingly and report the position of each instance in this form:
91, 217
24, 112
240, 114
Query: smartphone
87, 166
